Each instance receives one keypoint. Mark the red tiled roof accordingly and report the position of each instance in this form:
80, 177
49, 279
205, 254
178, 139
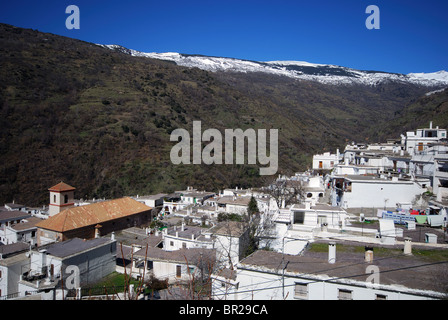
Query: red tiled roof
93, 214
61, 186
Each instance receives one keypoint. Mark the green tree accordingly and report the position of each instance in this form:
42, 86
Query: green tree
252, 207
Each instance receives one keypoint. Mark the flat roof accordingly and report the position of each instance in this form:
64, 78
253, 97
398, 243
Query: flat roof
410, 271
73, 246
241, 200
13, 248
190, 256
6, 215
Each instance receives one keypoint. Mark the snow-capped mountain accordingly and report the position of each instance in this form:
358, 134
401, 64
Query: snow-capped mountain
324, 73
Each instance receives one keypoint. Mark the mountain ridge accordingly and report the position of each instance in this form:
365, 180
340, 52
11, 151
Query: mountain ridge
323, 73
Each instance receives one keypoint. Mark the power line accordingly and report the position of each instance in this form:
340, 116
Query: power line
334, 278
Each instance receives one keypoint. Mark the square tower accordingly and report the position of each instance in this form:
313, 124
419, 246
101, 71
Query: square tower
61, 198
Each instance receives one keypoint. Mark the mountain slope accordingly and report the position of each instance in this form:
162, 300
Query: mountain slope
101, 119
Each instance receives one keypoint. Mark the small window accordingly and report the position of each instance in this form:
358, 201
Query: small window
65, 198
172, 243
184, 245
344, 294
381, 297
301, 290
54, 198
309, 195
178, 271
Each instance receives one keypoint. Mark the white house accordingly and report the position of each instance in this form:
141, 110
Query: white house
267, 275
440, 176
422, 139
231, 240
9, 218
326, 161
52, 266
355, 169
186, 237
25, 231
180, 265
233, 204
196, 197
152, 201
373, 191
13, 259
307, 217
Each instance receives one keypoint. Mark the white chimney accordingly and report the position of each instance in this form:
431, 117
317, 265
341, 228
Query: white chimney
407, 246
112, 236
43, 258
183, 226
430, 124
331, 252
368, 256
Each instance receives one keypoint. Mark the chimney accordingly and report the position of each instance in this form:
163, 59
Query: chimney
430, 124
307, 205
332, 252
43, 258
407, 246
183, 226
112, 236
368, 256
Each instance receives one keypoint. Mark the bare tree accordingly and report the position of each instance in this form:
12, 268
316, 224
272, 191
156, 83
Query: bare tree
285, 191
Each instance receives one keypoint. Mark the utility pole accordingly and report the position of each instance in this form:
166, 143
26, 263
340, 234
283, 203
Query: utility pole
283, 279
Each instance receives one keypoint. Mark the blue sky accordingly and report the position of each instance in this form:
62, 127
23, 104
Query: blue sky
413, 35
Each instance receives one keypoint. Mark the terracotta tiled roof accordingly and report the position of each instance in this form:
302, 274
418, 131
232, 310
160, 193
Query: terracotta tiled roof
92, 214
61, 186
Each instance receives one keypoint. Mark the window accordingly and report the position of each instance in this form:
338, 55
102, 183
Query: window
301, 290
381, 297
184, 245
65, 198
172, 243
178, 271
299, 217
54, 198
344, 294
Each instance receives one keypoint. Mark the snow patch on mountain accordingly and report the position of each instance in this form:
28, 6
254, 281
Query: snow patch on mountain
323, 73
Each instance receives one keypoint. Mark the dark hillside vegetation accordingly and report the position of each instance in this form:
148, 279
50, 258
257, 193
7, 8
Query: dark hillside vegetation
100, 120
